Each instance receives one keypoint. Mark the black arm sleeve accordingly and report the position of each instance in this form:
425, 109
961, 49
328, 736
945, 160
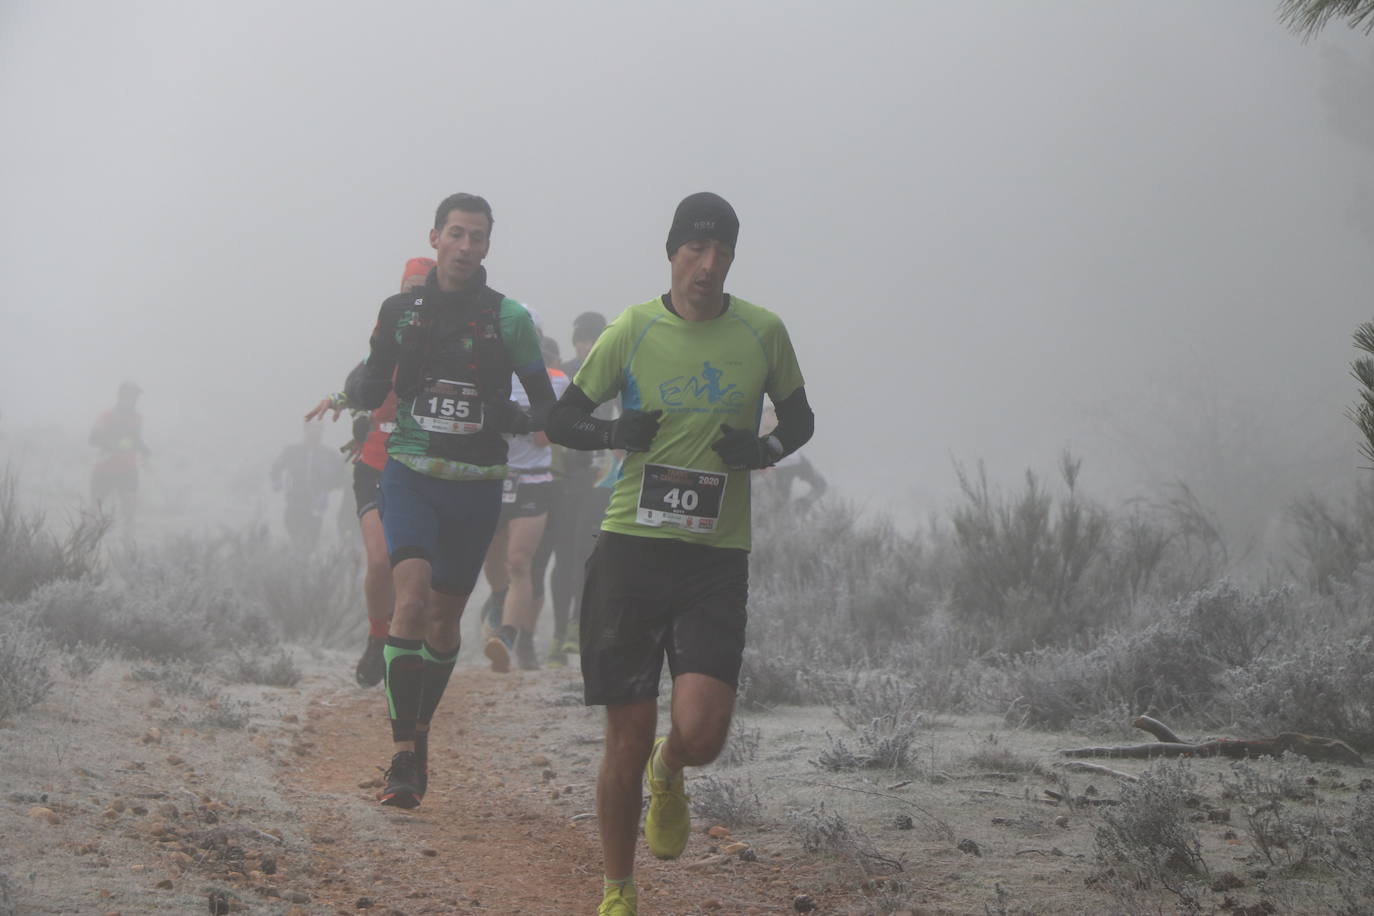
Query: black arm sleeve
571, 423
356, 373
540, 391
370, 382
796, 422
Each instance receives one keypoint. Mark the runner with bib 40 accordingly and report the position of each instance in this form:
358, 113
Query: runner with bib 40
669, 577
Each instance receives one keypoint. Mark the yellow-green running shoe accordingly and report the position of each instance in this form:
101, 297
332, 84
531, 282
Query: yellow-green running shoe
668, 822
620, 900
572, 642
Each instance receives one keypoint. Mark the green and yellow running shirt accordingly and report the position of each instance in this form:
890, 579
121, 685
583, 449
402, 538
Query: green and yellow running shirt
701, 374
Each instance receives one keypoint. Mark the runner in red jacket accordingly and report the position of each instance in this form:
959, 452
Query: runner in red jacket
368, 453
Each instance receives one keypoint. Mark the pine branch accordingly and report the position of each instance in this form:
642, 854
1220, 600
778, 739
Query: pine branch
1308, 17
1364, 337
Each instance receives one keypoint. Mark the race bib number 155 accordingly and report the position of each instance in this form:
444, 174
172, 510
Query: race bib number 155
682, 497
443, 406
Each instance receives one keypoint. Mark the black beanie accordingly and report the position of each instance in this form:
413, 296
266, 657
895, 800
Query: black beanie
703, 216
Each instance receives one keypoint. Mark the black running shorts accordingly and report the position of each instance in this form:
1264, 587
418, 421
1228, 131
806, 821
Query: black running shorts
526, 500
646, 598
367, 488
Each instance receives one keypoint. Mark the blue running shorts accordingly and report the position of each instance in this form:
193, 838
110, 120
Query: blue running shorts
450, 523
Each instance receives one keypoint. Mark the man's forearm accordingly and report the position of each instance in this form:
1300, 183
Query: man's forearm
572, 425
796, 422
367, 386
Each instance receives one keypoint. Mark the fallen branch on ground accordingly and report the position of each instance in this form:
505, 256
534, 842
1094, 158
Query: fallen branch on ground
1330, 750
1078, 766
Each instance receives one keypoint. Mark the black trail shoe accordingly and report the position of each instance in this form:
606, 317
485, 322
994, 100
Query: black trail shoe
402, 782
422, 763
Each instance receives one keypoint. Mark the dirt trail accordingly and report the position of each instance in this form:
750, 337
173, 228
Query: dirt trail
122, 795
501, 829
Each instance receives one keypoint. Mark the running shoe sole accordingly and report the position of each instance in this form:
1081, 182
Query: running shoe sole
498, 654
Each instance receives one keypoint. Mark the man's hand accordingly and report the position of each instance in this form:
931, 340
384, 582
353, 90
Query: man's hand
333, 403
634, 430
508, 417
352, 450
741, 450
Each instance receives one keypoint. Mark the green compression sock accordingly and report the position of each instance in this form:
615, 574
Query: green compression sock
404, 685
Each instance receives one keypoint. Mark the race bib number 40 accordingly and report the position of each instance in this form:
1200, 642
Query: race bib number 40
681, 497
453, 408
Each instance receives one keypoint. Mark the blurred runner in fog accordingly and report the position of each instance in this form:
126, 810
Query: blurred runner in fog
118, 433
527, 497
307, 471
368, 453
776, 484
447, 349
587, 481
669, 577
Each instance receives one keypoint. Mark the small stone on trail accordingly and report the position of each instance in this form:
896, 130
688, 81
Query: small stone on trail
969, 848
749, 856
903, 822
734, 849
803, 903
550, 775
38, 812
1062, 821
710, 904
540, 760
165, 884
429, 852
718, 831
364, 903
152, 736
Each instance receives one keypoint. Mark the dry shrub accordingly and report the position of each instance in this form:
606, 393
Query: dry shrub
1150, 837
729, 802
1321, 685
25, 676
30, 556
829, 833
1176, 665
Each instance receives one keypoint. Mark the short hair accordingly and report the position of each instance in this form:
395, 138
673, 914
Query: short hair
468, 203
588, 326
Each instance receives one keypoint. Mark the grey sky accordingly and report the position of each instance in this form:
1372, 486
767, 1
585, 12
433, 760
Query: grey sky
994, 229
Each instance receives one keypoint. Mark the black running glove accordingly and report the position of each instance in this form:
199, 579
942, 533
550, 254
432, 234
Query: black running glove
741, 450
634, 430
362, 425
507, 417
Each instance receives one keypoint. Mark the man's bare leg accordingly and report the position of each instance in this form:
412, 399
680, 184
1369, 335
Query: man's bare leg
619, 793
702, 707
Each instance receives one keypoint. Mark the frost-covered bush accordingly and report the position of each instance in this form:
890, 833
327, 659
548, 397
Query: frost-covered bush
1322, 685
25, 676
1150, 835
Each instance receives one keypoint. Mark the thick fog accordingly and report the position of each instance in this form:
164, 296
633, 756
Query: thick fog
1140, 230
